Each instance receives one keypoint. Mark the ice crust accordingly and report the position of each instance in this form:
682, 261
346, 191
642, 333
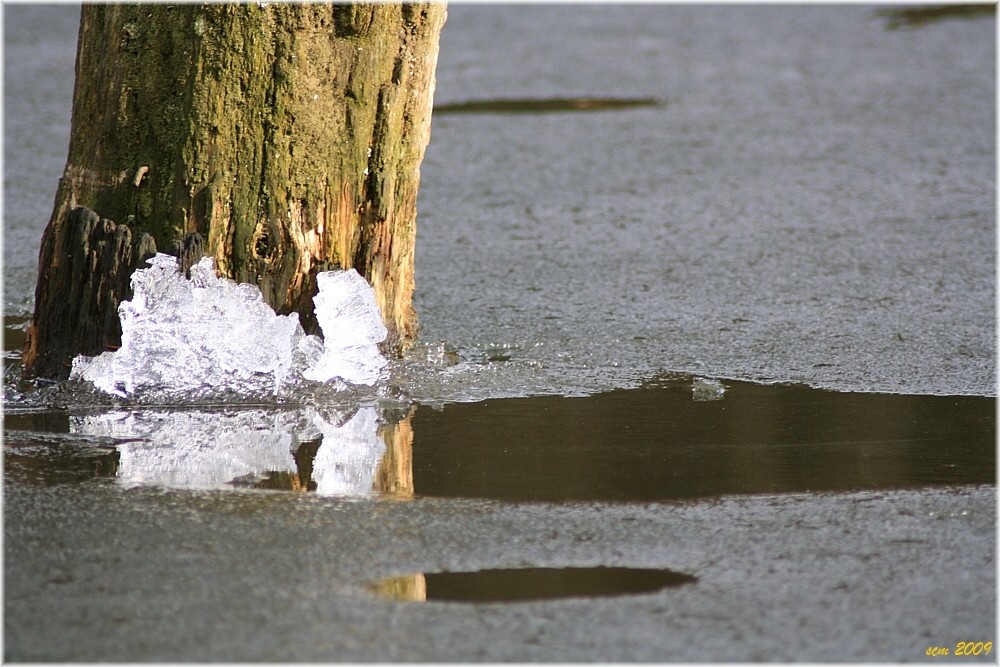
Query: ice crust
194, 337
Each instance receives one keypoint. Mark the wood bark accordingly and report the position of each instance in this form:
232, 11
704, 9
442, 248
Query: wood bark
89, 261
289, 136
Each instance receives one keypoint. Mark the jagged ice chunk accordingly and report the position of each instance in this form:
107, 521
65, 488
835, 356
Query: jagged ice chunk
352, 329
183, 337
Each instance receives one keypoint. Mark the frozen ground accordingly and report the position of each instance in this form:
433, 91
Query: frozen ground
814, 201
177, 576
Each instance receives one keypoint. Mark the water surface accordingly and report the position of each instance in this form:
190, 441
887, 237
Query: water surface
525, 584
659, 443
676, 438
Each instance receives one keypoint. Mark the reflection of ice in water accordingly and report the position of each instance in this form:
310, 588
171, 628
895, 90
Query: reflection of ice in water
206, 450
194, 449
349, 456
184, 337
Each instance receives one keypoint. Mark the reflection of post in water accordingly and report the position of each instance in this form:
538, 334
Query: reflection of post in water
395, 471
409, 587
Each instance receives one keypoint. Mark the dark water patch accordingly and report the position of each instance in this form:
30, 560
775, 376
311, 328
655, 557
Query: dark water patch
916, 17
660, 442
14, 331
46, 421
673, 439
526, 584
550, 105
39, 449
47, 459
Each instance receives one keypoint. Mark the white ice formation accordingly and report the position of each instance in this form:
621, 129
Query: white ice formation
187, 338
352, 329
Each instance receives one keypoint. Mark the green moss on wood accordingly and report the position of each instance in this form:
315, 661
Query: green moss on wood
289, 135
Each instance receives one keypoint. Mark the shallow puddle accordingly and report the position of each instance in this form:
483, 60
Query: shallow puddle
676, 438
524, 584
548, 105
14, 331
916, 17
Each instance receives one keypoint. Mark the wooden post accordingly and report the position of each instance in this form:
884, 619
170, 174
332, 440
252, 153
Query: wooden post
289, 136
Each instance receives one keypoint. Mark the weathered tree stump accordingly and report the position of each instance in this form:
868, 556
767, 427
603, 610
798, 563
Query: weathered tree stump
88, 263
289, 135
